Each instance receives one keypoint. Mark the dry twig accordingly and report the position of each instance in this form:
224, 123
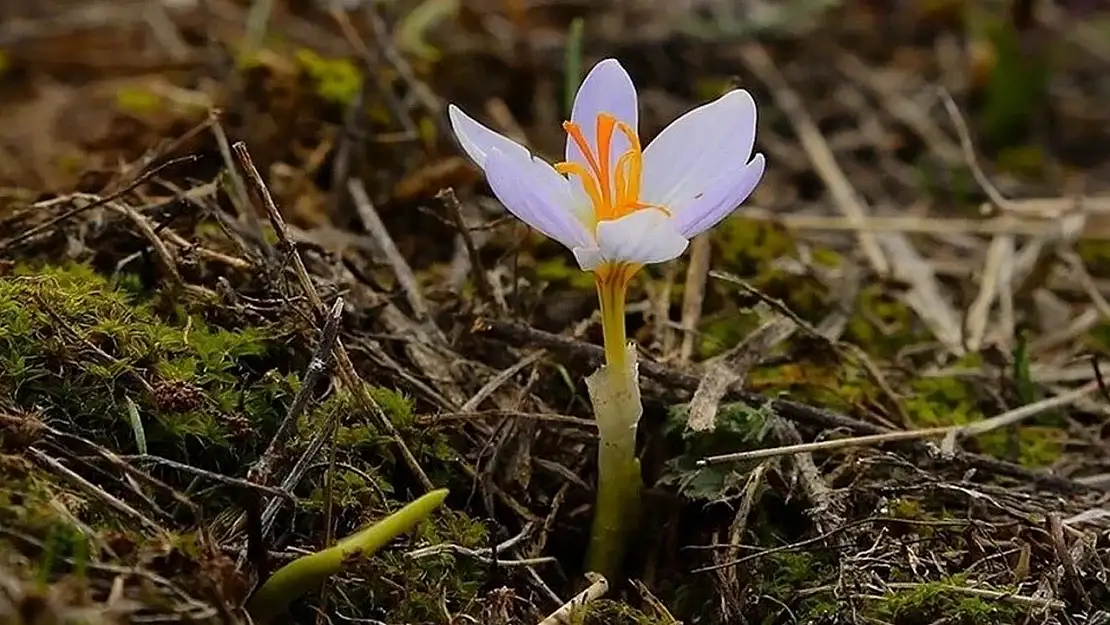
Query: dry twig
859, 441
731, 369
564, 615
401, 269
697, 274
454, 209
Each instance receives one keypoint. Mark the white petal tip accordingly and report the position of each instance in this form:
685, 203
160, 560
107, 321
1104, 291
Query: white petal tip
740, 96
644, 237
479, 141
608, 62
589, 258
755, 169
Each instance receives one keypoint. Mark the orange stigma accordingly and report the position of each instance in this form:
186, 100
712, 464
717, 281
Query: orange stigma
613, 191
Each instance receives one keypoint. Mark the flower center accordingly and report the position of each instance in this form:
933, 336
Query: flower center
614, 191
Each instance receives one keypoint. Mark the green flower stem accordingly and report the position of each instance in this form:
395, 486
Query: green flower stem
616, 512
612, 288
303, 574
615, 394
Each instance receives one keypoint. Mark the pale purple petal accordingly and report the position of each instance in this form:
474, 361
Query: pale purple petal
720, 198
478, 141
533, 191
589, 258
645, 237
698, 149
606, 89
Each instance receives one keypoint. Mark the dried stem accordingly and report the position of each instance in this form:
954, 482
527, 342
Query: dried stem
346, 368
317, 367
454, 208
565, 614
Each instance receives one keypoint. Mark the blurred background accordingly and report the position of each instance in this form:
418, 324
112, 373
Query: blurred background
85, 82
933, 227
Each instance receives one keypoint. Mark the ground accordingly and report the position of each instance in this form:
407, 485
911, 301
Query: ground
926, 264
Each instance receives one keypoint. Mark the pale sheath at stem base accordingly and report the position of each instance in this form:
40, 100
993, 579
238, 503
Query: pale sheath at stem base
615, 393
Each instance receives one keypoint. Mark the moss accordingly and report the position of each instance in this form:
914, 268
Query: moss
906, 509
803, 294
138, 101
44, 542
337, 80
711, 88
77, 348
848, 390
813, 372
559, 270
941, 401
1098, 338
395, 404
1095, 255
943, 600
723, 330
789, 569
912, 510
351, 491
882, 325
780, 581
755, 251
26, 502
832, 382
1027, 161
1029, 445
74, 346
427, 130
826, 257
789, 376
609, 612
357, 436
743, 244
408, 590
783, 575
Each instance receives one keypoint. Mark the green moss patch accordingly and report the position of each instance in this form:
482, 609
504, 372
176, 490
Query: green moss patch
76, 348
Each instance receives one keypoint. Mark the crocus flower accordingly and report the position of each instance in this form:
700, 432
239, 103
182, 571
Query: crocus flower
615, 205
619, 207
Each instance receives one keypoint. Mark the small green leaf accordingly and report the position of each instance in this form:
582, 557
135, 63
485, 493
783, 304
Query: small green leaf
299, 576
136, 425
